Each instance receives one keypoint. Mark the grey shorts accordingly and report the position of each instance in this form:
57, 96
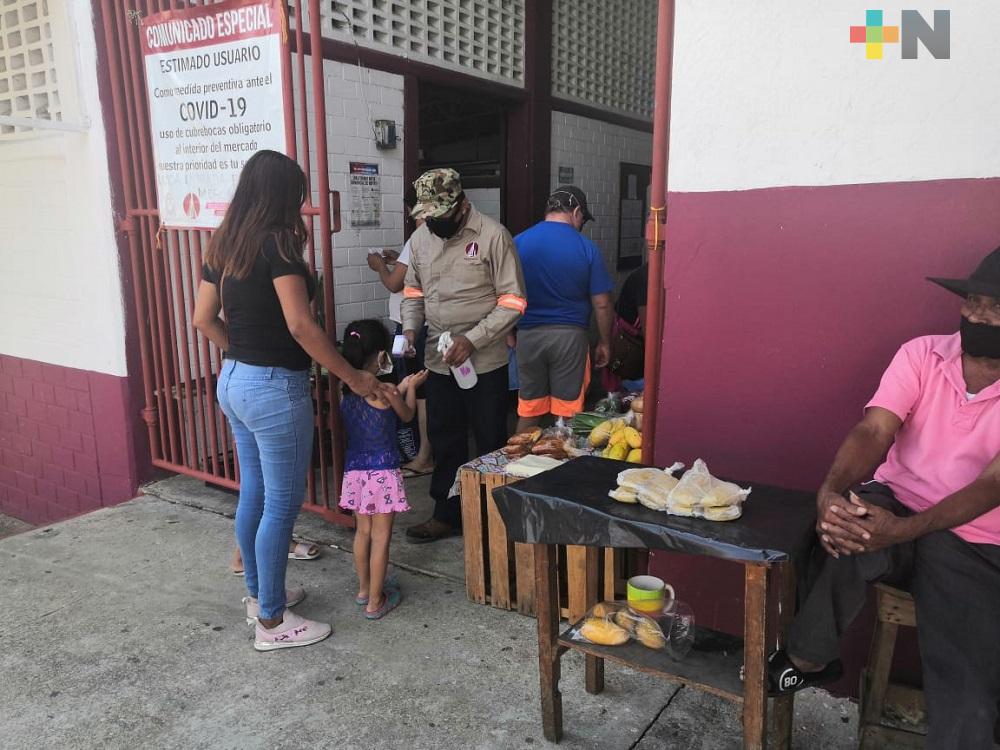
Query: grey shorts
553, 370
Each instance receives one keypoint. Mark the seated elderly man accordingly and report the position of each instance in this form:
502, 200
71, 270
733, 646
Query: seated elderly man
928, 522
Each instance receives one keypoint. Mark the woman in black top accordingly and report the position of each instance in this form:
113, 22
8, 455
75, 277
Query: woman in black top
254, 270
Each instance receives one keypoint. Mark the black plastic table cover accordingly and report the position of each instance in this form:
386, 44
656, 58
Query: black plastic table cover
570, 505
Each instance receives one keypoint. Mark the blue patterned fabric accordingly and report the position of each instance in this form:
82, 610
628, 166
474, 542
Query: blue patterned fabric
371, 435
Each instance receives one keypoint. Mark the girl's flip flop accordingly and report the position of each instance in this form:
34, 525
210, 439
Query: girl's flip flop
390, 600
303, 551
389, 583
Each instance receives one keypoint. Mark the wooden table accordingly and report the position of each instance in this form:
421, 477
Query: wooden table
502, 573
569, 505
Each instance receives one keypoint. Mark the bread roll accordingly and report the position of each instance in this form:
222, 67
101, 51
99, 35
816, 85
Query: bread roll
524, 438
722, 494
648, 633
726, 513
600, 631
623, 495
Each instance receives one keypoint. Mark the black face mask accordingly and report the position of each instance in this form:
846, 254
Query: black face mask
445, 226
980, 339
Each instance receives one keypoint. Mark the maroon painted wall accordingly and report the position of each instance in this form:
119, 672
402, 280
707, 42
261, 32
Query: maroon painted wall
66, 440
783, 307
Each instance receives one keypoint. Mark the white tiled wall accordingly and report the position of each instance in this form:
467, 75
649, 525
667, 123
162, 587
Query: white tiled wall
480, 37
60, 292
603, 53
486, 201
594, 149
354, 99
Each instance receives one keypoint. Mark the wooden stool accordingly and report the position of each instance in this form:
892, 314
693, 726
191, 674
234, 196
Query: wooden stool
895, 608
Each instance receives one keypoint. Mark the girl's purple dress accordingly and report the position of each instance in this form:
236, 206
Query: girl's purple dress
373, 482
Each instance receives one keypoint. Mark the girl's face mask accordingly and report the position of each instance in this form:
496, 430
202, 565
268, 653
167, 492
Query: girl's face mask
384, 364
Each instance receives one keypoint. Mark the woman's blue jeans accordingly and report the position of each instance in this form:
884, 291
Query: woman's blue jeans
270, 410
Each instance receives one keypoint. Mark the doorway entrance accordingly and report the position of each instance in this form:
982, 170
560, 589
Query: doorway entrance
467, 132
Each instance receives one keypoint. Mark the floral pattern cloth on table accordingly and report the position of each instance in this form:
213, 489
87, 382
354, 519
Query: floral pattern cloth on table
491, 463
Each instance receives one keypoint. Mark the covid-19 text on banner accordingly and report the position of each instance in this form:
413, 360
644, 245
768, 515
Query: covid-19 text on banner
216, 97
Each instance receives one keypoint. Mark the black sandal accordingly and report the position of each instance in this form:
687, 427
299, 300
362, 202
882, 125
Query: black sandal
784, 678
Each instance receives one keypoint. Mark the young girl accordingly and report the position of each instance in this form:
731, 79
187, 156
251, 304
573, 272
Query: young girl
373, 483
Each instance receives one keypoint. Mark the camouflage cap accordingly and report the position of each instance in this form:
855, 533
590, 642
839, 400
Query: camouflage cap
437, 192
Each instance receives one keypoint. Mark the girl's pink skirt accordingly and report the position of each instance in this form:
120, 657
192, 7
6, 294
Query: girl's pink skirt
371, 492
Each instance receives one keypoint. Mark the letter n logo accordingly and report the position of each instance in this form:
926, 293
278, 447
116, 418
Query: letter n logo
937, 38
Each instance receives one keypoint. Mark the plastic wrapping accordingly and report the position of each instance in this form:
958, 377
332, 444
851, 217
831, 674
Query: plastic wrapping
610, 405
615, 624
700, 494
649, 487
559, 430
570, 505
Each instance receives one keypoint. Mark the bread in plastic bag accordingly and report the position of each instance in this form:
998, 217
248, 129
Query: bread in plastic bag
700, 494
624, 495
651, 486
602, 631
560, 430
613, 624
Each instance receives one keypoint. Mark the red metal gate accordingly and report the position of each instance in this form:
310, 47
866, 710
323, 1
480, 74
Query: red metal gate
187, 432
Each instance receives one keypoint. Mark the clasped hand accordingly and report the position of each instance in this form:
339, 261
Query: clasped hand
851, 526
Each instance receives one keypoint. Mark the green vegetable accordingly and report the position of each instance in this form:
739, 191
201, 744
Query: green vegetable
586, 421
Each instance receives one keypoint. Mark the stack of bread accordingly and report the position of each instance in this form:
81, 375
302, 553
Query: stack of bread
696, 494
613, 624
647, 486
536, 442
520, 445
701, 495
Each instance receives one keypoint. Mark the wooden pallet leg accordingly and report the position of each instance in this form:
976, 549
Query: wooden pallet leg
547, 603
576, 581
755, 659
880, 664
524, 572
610, 572
499, 560
594, 665
784, 708
472, 538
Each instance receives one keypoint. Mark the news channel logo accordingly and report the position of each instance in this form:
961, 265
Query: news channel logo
912, 31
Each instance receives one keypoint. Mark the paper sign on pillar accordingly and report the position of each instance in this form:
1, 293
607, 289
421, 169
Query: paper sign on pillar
216, 97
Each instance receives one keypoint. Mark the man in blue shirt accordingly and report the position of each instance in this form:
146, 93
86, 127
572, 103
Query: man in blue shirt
565, 279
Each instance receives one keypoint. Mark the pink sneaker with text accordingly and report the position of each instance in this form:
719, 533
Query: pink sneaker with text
294, 631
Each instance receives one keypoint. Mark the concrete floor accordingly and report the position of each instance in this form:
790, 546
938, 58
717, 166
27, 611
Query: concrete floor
10, 526
125, 630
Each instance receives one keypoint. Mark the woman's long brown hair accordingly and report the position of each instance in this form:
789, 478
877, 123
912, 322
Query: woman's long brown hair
268, 201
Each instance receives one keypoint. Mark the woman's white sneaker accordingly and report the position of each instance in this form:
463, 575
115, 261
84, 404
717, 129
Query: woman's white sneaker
292, 597
293, 631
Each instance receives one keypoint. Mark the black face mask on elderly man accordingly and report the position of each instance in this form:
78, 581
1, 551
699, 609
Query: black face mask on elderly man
980, 339
445, 226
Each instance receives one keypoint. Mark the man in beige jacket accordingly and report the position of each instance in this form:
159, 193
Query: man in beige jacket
464, 278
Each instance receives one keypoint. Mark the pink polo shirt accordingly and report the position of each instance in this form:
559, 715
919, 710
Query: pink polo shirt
946, 440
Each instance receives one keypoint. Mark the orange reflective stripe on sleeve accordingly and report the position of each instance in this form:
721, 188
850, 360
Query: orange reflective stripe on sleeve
412, 292
513, 302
